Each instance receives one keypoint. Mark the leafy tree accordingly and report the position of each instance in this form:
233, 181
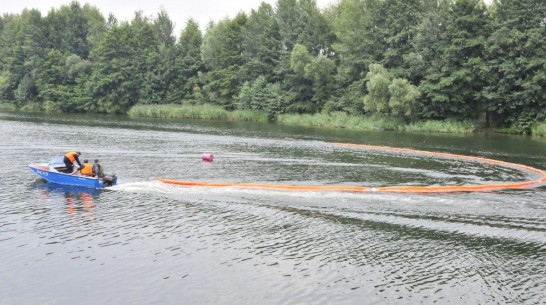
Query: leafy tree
26, 55
263, 96
115, 81
300, 89
221, 53
301, 23
313, 79
155, 57
187, 64
300, 59
52, 75
450, 88
355, 25
397, 22
321, 71
69, 30
261, 43
378, 83
515, 64
388, 95
403, 98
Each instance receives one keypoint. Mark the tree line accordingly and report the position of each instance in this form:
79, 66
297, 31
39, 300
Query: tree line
415, 59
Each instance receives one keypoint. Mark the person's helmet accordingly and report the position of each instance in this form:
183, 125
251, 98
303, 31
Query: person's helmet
79, 153
96, 160
85, 161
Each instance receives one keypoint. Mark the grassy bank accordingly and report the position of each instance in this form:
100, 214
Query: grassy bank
376, 122
209, 112
331, 120
7, 107
539, 130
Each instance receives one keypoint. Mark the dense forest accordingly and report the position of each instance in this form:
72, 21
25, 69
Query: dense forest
415, 59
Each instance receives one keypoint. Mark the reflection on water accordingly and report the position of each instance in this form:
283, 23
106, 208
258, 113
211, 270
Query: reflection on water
78, 201
144, 242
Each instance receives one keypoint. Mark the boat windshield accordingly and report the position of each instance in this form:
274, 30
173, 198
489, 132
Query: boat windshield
56, 161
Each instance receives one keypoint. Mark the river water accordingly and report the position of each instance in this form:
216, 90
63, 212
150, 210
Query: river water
145, 242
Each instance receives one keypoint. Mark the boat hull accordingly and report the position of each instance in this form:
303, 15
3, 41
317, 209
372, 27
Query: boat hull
62, 178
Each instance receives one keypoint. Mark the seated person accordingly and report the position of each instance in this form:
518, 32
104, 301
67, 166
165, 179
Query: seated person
86, 169
98, 170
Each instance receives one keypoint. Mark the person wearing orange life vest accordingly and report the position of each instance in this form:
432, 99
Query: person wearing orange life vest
86, 169
69, 159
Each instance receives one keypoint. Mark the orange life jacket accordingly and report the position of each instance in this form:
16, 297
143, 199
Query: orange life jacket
71, 156
87, 169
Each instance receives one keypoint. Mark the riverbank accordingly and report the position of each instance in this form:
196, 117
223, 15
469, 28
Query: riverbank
377, 122
539, 130
209, 112
7, 107
329, 120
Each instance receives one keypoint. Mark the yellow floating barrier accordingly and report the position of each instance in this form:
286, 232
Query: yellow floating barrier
391, 189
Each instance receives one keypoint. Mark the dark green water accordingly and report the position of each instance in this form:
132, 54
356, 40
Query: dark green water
144, 242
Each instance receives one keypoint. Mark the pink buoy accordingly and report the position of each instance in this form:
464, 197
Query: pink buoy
208, 157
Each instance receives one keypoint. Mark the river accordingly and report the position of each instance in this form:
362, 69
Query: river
145, 242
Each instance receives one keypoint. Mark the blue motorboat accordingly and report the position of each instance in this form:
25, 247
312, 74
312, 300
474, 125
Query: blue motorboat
55, 171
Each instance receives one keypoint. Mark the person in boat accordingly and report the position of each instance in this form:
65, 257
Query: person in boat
98, 170
86, 169
69, 159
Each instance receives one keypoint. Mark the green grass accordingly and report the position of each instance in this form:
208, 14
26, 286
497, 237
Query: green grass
208, 112
330, 120
376, 122
447, 126
7, 107
31, 107
539, 130
179, 111
248, 115
340, 120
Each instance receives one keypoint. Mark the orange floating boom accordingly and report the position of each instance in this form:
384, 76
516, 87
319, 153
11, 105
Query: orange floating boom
393, 189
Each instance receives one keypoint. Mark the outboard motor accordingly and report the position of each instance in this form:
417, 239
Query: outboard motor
109, 180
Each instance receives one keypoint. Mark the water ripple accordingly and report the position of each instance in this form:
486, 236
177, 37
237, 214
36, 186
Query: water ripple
169, 244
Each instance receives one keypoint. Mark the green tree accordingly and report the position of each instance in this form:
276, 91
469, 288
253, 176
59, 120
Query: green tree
187, 64
221, 52
313, 80
377, 99
355, 23
301, 23
263, 96
397, 20
388, 95
261, 44
300, 87
29, 48
403, 98
451, 87
515, 63
115, 83
156, 55
69, 28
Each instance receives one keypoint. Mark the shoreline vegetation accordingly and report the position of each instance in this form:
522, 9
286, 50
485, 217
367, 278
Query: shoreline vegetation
337, 119
329, 120
206, 111
452, 66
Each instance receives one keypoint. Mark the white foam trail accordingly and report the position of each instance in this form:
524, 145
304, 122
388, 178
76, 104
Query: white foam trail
164, 188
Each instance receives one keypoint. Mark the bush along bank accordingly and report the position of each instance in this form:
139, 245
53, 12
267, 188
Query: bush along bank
329, 120
378, 122
539, 130
208, 112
